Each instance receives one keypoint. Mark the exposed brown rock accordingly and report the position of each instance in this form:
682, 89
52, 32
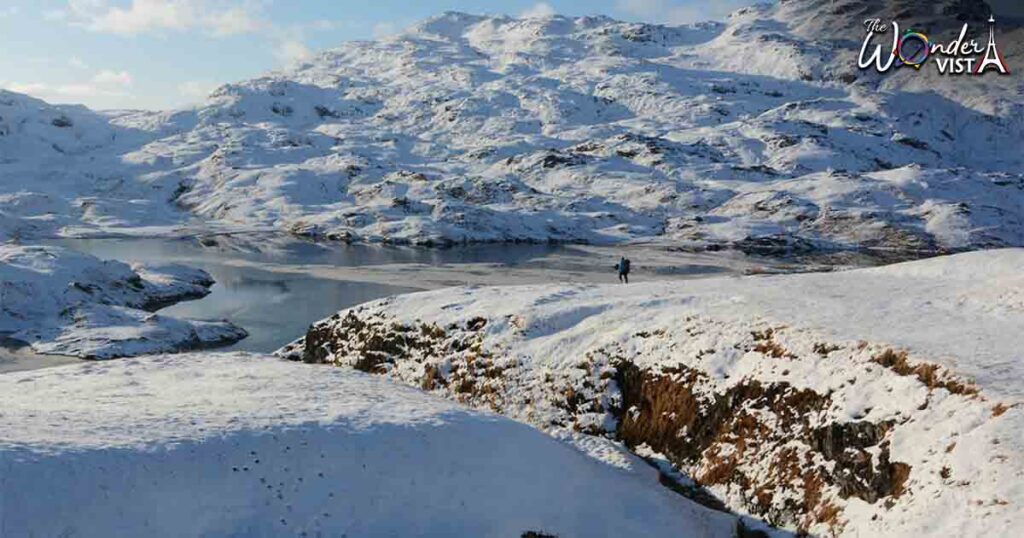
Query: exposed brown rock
931, 375
721, 437
764, 442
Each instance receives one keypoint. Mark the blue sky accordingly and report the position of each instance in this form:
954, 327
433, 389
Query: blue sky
161, 54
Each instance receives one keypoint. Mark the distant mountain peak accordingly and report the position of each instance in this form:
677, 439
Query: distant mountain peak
759, 132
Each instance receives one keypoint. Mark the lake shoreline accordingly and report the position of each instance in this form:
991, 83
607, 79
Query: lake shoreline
274, 285
17, 356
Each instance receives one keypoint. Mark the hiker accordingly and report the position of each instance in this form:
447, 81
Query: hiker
623, 267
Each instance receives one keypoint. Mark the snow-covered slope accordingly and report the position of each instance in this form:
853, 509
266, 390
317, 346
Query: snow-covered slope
878, 402
821, 40
66, 303
468, 128
31, 129
61, 167
236, 445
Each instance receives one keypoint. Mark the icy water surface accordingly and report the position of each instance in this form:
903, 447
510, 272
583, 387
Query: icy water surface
275, 286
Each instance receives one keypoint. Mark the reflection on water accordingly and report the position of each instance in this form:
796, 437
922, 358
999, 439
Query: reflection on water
277, 248
277, 307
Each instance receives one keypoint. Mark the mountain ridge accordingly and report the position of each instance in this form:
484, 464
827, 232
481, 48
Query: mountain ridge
470, 128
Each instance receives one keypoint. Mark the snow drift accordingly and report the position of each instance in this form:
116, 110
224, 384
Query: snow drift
882, 402
237, 445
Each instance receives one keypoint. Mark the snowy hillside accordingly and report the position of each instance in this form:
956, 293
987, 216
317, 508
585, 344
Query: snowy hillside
821, 39
236, 445
752, 133
66, 303
878, 402
61, 167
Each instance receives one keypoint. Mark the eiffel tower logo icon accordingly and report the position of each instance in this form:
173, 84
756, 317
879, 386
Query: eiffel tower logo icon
993, 58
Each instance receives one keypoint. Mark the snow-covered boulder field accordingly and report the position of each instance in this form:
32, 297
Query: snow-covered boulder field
876, 402
243, 445
757, 133
64, 302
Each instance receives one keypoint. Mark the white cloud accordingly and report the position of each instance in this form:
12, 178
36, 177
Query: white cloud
384, 29
289, 41
77, 63
112, 79
196, 89
142, 16
8, 11
215, 17
106, 83
539, 10
232, 22
292, 51
678, 12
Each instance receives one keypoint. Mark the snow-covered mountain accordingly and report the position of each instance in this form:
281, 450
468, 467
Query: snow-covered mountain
819, 40
61, 167
755, 132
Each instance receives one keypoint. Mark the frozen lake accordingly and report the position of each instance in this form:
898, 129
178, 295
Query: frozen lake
275, 286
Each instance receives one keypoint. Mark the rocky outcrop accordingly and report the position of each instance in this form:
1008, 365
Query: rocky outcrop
62, 302
774, 442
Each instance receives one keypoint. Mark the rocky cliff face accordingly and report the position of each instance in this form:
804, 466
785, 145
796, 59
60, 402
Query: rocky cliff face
772, 448
747, 394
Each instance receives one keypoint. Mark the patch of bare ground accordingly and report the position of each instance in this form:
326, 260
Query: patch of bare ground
1000, 409
765, 344
824, 349
931, 375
